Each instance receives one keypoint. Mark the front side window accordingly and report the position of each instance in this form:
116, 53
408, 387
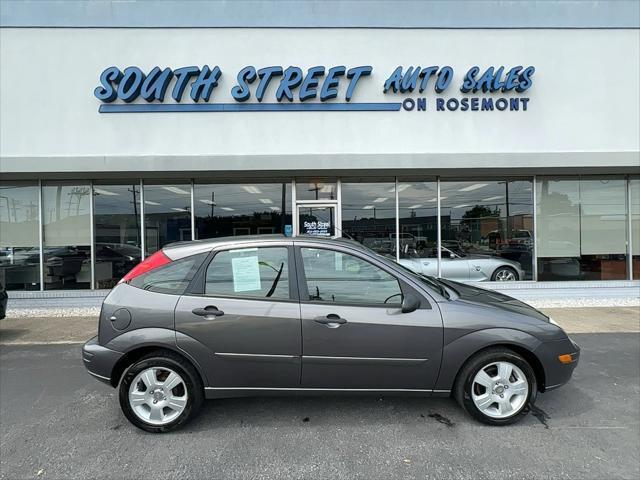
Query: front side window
249, 272
173, 278
336, 277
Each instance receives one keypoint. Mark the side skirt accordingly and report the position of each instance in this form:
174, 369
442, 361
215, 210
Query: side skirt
231, 392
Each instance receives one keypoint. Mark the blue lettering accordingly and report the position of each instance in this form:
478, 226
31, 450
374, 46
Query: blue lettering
469, 82
422, 104
206, 82
440, 104
328, 87
408, 104
266, 74
310, 83
502, 104
292, 78
484, 82
464, 104
426, 74
354, 74
474, 103
182, 77
525, 79
512, 79
444, 79
514, 104
242, 92
155, 85
452, 104
487, 104
497, 84
410, 79
394, 81
524, 102
130, 85
107, 93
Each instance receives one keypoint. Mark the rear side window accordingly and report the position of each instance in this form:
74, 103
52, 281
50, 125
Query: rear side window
172, 278
250, 272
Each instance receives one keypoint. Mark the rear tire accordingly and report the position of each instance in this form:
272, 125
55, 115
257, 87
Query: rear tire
160, 392
496, 386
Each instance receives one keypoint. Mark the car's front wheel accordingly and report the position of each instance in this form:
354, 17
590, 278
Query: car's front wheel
496, 386
160, 392
504, 274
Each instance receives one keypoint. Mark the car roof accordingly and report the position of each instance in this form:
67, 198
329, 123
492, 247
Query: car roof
180, 249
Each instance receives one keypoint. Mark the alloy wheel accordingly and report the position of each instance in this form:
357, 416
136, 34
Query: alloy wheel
158, 395
500, 390
505, 275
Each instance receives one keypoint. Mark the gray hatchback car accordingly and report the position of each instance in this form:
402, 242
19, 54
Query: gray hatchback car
272, 315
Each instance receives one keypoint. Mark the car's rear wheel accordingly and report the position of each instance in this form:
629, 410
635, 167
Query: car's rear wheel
496, 386
504, 274
160, 392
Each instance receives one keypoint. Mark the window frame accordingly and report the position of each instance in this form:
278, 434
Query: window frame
304, 289
198, 284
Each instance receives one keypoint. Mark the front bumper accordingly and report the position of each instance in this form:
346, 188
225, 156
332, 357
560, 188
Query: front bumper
98, 360
557, 373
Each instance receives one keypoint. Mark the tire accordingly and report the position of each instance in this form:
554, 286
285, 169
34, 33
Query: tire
504, 274
503, 410
153, 405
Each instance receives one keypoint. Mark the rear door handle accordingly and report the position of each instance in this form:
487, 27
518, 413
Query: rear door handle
331, 319
208, 311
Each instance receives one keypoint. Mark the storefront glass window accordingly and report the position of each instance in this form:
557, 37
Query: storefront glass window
242, 209
66, 235
167, 214
418, 207
19, 239
487, 230
581, 228
369, 215
117, 231
316, 189
634, 186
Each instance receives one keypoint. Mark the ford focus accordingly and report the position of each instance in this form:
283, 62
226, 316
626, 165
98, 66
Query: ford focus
270, 315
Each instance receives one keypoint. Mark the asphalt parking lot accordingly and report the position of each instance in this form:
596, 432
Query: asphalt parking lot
58, 422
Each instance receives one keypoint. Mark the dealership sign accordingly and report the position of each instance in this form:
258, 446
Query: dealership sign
316, 89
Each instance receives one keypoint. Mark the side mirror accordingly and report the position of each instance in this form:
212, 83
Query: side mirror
410, 303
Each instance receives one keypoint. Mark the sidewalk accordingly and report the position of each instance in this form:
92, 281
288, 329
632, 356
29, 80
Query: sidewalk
52, 330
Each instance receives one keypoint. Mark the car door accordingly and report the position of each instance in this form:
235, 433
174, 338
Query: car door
354, 333
454, 267
245, 311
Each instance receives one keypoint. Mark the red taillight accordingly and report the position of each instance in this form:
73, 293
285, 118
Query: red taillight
156, 260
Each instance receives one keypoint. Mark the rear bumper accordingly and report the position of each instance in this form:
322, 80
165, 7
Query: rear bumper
556, 372
98, 360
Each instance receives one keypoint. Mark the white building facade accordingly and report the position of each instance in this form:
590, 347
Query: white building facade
433, 133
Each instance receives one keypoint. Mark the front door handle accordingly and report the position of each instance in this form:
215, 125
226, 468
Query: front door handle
208, 311
331, 320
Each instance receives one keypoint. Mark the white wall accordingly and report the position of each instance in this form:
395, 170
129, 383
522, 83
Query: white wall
585, 99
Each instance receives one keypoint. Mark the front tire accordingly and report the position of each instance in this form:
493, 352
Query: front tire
504, 274
160, 392
496, 387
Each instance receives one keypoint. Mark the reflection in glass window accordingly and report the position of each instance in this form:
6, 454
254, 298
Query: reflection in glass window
249, 272
337, 277
173, 278
223, 210
581, 228
634, 186
418, 207
66, 235
316, 189
167, 215
487, 230
19, 239
369, 215
117, 231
